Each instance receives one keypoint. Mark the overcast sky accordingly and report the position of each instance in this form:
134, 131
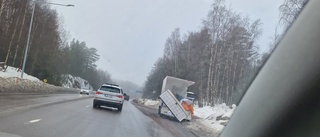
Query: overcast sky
130, 34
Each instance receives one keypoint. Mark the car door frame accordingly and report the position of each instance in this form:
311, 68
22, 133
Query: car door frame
284, 98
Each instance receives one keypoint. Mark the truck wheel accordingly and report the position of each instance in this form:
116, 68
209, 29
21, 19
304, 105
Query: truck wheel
160, 107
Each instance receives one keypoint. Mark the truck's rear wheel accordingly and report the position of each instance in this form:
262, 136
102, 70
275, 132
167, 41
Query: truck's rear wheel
160, 107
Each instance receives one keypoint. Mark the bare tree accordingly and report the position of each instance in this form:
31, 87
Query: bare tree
290, 10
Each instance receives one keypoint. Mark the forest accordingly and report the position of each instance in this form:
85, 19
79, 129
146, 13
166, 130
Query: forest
51, 56
222, 57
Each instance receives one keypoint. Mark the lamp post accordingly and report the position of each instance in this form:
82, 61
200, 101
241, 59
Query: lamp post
29, 33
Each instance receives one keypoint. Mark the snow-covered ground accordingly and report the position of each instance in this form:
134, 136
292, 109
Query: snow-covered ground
151, 102
13, 72
71, 81
148, 102
76, 82
11, 83
215, 117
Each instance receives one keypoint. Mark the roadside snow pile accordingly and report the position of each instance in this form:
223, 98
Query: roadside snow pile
147, 102
11, 83
76, 82
215, 117
16, 85
151, 103
13, 72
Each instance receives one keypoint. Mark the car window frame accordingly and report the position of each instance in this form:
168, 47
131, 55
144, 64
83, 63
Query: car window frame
283, 99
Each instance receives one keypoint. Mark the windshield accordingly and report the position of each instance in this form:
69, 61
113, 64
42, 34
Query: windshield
51, 49
110, 89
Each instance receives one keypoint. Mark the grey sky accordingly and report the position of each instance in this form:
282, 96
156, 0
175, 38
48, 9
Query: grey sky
130, 34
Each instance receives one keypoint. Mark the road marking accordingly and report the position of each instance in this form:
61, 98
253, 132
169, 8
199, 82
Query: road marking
88, 106
33, 121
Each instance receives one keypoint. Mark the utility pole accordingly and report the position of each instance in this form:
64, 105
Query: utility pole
28, 40
29, 33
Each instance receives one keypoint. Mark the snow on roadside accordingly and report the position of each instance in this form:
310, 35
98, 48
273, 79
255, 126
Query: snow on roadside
76, 82
151, 102
217, 110
215, 117
147, 102
11, 83
13, 72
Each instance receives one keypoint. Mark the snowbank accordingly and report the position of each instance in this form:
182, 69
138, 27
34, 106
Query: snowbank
16, 85
147, 102
11, 83
151, 102
215, 117
13, 72
76, 82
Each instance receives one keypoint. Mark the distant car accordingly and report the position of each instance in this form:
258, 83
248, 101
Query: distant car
126, 97
109, 95
84, 91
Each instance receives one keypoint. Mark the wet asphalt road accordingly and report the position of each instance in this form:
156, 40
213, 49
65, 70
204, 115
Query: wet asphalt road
78, 119
12, 102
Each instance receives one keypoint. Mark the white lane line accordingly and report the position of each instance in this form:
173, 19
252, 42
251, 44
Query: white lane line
33, 121
88, 106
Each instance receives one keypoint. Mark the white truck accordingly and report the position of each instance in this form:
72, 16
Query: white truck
173, 90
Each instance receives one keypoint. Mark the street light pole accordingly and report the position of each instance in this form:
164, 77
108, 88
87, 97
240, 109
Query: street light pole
29, 33
28, 39
69, 5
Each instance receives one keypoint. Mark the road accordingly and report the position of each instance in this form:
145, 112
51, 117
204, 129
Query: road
18, 101
77, 118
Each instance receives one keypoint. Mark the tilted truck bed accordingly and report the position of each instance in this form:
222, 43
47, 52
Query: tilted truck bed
173, 90
174, 105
